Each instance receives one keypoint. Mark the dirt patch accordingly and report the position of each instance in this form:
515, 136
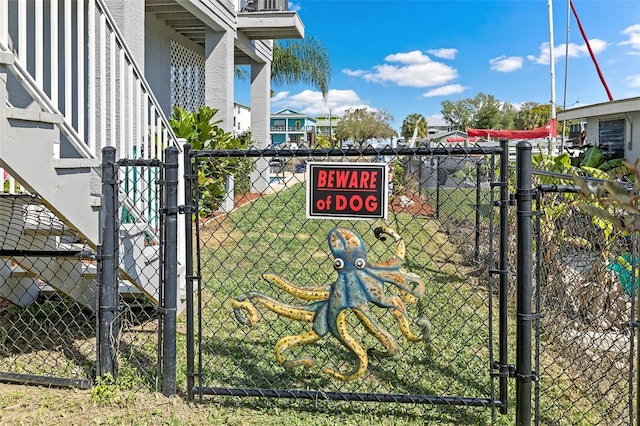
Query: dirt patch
242, 199
412, 203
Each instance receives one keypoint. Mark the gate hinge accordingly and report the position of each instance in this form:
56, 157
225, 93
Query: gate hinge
532, 316
184, 209
510, 370
163, 311
170, 211
533, 376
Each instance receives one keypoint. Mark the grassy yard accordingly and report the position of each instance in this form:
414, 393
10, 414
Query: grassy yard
272, 235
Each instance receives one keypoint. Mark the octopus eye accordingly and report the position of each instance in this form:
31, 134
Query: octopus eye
338, 264
359, 263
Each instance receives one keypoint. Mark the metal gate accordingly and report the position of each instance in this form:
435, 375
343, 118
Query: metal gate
585, 337
433, 276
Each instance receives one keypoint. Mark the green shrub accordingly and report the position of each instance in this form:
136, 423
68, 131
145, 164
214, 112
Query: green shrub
203, 133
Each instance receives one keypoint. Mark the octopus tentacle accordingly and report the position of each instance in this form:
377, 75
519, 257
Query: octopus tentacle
400, 313
388, 341
400, 247
305, 293
403, 325
402, 280
289, 341
352, 344
246, 312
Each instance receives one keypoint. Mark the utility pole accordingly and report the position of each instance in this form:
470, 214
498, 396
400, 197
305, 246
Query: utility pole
552, 60
330, 135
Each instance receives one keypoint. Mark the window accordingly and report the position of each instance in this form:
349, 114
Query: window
611, 138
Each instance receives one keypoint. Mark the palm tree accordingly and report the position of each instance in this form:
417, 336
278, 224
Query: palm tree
409, 125
297, 61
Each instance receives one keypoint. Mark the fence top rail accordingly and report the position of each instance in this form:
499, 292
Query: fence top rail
152, 162
565, 176
547, 188
336, 152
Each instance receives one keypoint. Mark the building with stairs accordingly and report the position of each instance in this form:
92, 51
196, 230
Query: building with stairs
80, 75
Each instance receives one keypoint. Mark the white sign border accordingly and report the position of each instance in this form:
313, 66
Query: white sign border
385, 192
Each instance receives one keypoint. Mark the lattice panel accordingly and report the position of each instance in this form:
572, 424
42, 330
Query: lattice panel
187, 77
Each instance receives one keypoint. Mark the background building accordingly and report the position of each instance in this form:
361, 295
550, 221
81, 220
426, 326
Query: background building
241, 118
292, 127
326, 125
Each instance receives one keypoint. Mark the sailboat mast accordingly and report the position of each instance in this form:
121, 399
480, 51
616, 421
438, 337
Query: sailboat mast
593, 56
552, 64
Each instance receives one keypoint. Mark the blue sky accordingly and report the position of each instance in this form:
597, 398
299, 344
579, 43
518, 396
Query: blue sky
407, 57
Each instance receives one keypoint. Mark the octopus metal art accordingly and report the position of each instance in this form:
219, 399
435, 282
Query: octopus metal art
359, 283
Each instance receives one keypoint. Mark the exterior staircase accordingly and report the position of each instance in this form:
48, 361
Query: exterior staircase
53, 124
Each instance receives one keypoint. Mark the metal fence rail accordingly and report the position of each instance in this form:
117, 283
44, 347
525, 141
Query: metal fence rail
261, 252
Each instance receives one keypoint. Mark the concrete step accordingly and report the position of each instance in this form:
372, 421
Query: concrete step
17, 285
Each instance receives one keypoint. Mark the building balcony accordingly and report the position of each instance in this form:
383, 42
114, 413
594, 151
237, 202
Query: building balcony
269, 20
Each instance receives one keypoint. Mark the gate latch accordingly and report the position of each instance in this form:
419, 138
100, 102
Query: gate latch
511, 372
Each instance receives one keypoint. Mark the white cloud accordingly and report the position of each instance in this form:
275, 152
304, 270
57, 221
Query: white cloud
409, 69
506, 64
444, 53
279, 96
311, 102
574, 51
295, 7
445, 90
634, 38
413, 57
353, 73
633, 80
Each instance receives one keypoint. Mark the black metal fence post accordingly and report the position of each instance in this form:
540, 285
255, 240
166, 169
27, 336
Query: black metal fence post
524, 284
188, 241
437, 187
108, 280
170, 271
634, 338
476, 251
504, 276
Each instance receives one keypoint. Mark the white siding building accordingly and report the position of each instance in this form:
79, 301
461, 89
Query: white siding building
612, 126
241, 118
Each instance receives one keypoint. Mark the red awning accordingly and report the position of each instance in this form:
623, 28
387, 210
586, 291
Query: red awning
548, 129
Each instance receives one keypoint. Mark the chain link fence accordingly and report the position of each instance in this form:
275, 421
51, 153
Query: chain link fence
62, 321
47, 296
585, 281
265, 270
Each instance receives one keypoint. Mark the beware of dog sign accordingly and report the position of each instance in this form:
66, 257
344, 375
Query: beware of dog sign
347, 190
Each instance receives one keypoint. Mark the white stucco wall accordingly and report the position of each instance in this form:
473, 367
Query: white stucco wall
158, 59
129, 16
